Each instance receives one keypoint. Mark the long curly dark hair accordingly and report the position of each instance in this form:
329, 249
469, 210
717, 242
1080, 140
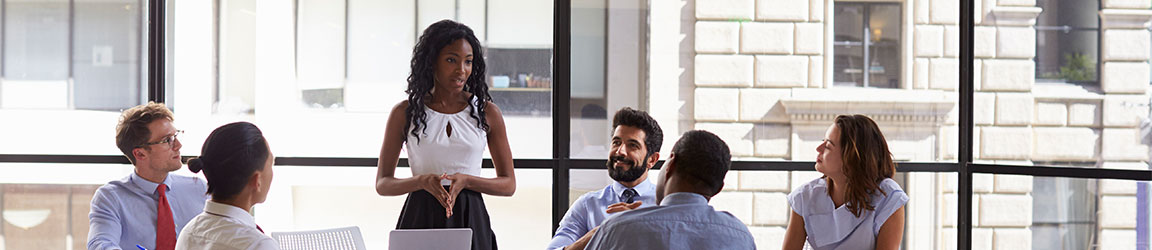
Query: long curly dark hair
421, 80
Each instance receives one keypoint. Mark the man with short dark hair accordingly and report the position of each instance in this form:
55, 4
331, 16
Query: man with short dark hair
636, 140
693, 173
149, 207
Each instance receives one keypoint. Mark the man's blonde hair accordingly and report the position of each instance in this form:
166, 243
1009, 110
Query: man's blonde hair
132, 130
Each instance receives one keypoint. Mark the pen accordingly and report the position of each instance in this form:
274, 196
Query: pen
141, 248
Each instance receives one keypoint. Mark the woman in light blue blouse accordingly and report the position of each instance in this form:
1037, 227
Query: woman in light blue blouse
856, 204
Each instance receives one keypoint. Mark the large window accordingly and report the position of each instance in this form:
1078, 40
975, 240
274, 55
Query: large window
1060, 213
50, 211
867, 44
350, 67
321, 77
768, 79
1038, 105
342, 53
65, 65
71, 55
1067, 41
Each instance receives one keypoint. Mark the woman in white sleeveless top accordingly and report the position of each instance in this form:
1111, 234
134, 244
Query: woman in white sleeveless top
856, 204
445, 124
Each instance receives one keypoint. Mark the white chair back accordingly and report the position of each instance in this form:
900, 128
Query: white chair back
334, 239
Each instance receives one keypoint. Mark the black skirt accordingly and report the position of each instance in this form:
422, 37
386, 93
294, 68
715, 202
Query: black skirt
423, 211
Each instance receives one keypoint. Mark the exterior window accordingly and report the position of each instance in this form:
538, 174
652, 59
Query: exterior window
867, 45
236, 67
321, 53
346, 54
1067, 41
1064, 209
82, 55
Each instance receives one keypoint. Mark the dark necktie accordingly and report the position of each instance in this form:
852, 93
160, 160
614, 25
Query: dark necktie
165, 226
629, 195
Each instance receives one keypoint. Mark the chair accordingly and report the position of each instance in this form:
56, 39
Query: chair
335, 238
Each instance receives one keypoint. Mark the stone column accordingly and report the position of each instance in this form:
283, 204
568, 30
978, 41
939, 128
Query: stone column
1124, 80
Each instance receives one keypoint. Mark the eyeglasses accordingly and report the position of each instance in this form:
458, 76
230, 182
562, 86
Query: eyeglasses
167, 139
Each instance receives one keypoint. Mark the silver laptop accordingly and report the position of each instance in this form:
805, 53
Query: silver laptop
430, 239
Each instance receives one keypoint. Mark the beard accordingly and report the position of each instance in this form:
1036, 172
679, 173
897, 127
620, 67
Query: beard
633, 172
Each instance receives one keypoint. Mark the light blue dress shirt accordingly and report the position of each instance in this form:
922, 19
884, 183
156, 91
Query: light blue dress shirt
682, 221
830, 227
124, 211
589, 211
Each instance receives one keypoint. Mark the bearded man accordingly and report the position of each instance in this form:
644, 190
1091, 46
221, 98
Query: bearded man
636, 140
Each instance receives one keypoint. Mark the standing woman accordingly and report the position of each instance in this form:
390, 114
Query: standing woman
238, 165
446, 122
856, 204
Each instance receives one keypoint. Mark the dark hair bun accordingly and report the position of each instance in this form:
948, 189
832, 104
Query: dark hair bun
234, 152
195, 164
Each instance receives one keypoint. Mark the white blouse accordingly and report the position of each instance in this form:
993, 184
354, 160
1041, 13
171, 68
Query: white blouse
224, 226
830, 227
435, 152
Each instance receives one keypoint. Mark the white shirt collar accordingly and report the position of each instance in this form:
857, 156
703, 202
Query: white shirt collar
233, 212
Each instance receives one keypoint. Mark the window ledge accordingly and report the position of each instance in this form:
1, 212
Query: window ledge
1125, 19
1015, 16
1067, 91
913, 106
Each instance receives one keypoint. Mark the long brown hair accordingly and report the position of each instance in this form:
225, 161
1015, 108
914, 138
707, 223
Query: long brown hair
866, 158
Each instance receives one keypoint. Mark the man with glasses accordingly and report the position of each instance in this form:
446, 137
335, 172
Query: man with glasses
149, 207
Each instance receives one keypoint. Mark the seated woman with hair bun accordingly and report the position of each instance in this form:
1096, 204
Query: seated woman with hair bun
237, 162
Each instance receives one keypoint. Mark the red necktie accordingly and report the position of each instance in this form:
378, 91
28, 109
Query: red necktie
165, 227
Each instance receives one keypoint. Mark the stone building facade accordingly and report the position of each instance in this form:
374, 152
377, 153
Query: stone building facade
759, 73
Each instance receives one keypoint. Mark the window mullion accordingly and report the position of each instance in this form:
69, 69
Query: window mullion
867, 43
